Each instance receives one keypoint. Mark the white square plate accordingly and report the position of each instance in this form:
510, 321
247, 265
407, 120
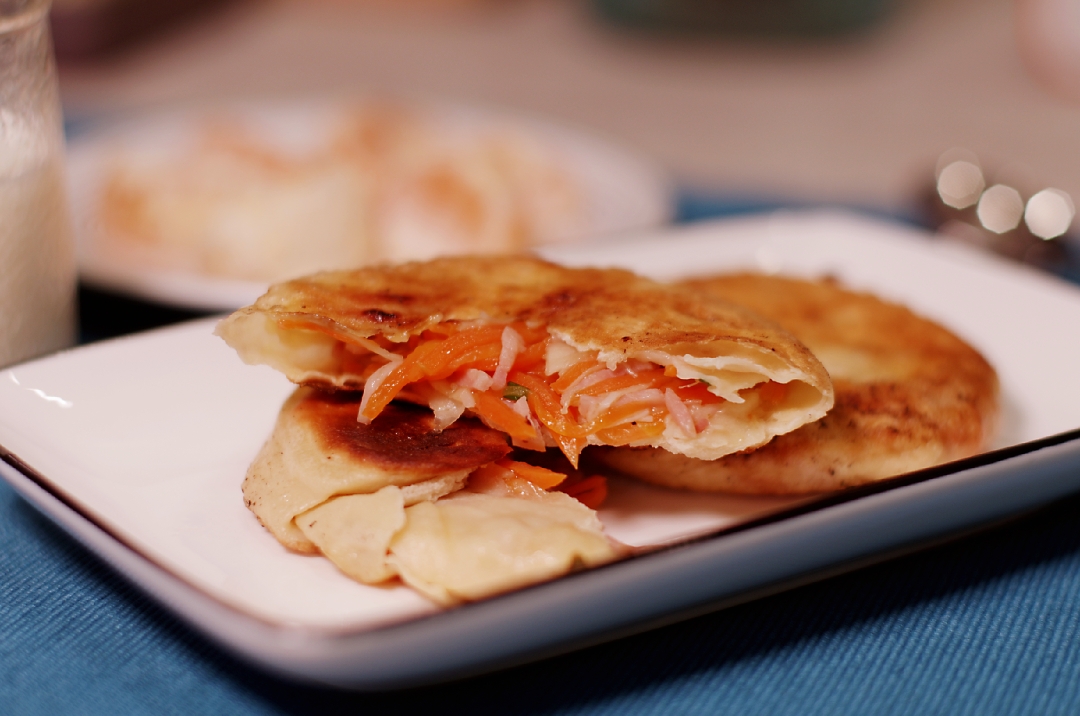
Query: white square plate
138, 446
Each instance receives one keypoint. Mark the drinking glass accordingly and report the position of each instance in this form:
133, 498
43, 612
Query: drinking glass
37, 261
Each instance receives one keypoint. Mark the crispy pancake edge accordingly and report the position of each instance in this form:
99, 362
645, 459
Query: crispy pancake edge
318, 450
610, 310
909, 394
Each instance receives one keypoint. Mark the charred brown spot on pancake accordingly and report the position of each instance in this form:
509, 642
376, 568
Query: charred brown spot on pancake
379, 315
559, 299
401, 438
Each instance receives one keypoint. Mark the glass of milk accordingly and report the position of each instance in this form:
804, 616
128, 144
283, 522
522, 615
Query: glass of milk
37, 261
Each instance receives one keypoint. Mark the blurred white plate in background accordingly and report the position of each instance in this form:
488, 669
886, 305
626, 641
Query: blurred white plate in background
614, 190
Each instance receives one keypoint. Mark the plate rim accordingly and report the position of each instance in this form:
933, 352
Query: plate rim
341, 657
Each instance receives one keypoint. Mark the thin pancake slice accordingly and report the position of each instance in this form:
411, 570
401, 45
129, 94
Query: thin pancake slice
551, 356
374, 499
354, 532
318, 450
472, 545
909, 395
490, 538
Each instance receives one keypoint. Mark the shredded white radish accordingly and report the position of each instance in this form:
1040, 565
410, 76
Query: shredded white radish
463, 396
446, 410
588, 408
559, 356
593, 409
703, 414
635, 366
373, 382
680, 413
512, 344
590, 377
454, 392
475, 379
651, 396
641, 416
521, 407
371, 346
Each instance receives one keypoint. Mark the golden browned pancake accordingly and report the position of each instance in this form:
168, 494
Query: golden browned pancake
318, 450
582, 356
385, 500
909, 394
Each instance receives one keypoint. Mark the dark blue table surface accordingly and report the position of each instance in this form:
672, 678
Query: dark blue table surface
983, 625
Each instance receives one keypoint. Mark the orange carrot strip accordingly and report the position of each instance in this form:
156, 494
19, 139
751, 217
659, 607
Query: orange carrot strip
481, 357
689, 389
498, 415
545, 403
696, 391
407, 372
570, 447
617, 415
568, 376
590, 491
532, 357
428, 359
620, 382
539, 476
630, 432
436, 362
539, 334
495, 479
773, 392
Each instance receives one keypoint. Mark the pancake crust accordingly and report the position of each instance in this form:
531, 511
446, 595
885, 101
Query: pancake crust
401, 441
318, 450
909, 394
306, 328
388, 499
611, 310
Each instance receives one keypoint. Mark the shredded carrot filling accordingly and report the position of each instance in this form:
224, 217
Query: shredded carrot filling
546, 404
590, 490
490, 368
567, 378
630, 432
494, 411
539, 476
622, 382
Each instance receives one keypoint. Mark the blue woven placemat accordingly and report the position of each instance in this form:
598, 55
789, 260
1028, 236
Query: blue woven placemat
986, 625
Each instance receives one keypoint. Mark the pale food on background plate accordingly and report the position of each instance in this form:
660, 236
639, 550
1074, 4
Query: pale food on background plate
909, 395
387, 182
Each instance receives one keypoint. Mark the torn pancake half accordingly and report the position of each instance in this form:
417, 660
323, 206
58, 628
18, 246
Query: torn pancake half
318, 450
909, 395
549, 355
385, 500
